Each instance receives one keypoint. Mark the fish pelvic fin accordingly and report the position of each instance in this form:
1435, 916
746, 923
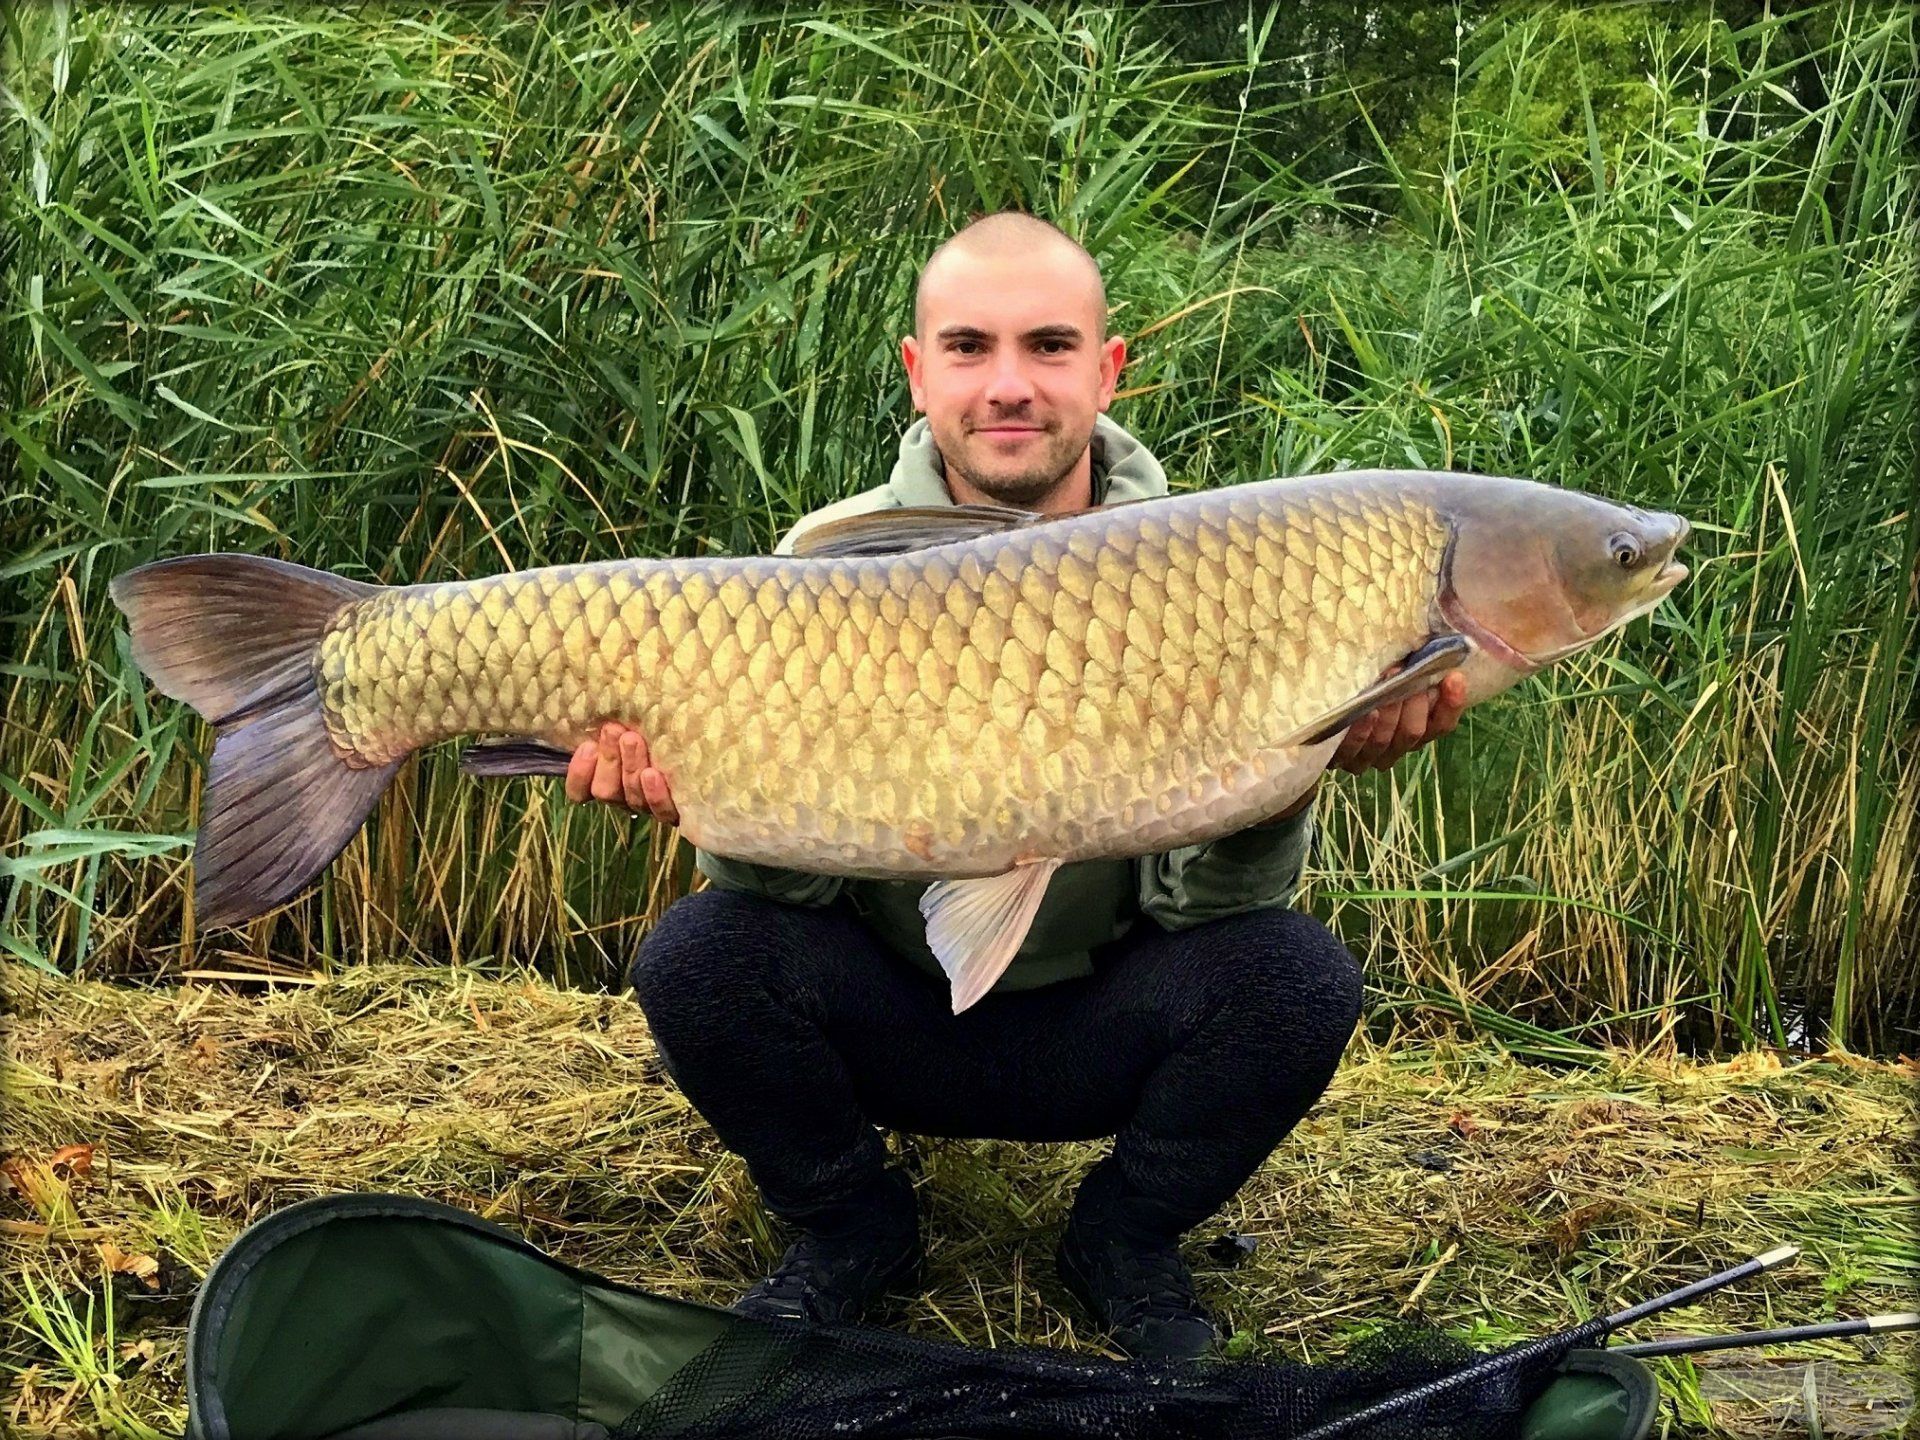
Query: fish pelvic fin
501, 759
975, 926
236, 637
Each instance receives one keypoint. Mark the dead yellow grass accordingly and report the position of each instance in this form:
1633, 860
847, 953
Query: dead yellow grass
1496, 1198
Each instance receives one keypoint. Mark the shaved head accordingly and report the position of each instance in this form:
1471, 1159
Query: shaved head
1009, 235
1011, 363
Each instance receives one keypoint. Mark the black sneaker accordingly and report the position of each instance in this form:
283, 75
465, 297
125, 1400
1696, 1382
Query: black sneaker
1140, 1290
832, 1273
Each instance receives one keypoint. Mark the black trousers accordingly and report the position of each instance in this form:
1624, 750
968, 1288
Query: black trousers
794, 1032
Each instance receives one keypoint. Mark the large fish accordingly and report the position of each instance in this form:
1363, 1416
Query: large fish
974, 695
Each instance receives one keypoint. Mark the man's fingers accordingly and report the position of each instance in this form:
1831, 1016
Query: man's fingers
1350, 742
1411, 731
606, 773
633, 762
659, 801
1361, 736
1383, 723
580, 771
1378, 739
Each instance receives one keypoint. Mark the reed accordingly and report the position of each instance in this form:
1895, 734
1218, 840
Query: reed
417, 296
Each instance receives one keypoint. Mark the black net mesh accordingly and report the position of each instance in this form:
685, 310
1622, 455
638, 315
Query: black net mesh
785, 1381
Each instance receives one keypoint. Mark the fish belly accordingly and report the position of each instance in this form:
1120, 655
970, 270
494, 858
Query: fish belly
1115, 683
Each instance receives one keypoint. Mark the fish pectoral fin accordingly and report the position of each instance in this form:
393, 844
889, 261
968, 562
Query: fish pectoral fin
975, 926
497, 759
1421, 669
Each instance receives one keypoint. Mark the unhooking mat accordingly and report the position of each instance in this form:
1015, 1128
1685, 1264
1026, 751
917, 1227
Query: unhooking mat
384, 1317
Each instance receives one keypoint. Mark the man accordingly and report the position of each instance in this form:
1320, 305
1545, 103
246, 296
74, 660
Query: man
1173, 1002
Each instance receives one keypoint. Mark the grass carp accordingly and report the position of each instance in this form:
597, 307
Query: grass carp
976, 695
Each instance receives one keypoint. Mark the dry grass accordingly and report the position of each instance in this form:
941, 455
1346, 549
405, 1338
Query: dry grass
1495, 1198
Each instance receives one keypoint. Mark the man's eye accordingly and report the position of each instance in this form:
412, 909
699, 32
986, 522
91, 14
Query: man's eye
1054, 347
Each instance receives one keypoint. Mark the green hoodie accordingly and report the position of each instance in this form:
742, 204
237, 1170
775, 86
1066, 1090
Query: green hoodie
1093, 901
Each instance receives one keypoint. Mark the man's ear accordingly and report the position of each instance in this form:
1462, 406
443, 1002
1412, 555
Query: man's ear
1113, 355
910, 357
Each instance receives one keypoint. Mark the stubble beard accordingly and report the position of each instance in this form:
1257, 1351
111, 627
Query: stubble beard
1027, 487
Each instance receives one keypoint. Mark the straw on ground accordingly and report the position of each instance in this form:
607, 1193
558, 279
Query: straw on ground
145, 1128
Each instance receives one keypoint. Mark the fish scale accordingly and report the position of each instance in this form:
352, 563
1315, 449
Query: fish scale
1117, 679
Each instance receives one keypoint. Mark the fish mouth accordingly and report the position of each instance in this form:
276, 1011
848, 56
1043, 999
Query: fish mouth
1669, 575
1672, 572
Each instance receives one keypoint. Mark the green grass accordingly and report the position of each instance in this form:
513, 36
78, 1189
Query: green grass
411, 297
80, 1357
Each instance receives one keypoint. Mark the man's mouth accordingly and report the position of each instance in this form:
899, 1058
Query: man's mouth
1007, 432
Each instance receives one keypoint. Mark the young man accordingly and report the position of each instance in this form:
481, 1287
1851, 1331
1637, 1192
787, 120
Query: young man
1173, 1002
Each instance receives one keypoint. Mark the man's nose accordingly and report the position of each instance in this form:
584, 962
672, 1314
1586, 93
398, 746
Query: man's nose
1008, 385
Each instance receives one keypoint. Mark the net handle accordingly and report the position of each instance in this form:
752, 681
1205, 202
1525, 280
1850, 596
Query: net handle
1576, 1338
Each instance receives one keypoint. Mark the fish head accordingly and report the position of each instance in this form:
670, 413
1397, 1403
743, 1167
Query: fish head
1536, 573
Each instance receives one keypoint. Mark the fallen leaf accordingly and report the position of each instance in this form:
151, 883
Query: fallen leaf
1462, 1124
206, 1047
143, 1268
78, 1160
1571, 1228
45, 1191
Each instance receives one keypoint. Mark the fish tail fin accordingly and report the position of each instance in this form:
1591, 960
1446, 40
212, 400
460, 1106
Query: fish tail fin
237, 637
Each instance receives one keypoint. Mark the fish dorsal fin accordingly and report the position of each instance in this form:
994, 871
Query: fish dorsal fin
920, 527
974, 927
1418, 671
909, 527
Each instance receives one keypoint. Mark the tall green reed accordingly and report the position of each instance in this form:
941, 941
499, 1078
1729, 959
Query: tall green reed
414, 297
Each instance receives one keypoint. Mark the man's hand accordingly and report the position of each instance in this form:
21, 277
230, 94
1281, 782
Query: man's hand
1380, 737
616, 768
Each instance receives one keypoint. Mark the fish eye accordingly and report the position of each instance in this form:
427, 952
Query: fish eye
1625, 550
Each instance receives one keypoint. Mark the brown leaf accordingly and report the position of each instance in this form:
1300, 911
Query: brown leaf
77, 1160
1462, 1124
1568, 1231
35, 1182
206, 1048
143, 1268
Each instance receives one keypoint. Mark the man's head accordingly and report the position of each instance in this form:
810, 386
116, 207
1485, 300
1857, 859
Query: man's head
1010, 361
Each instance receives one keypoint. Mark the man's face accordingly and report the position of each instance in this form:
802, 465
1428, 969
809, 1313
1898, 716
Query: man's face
1010, 370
